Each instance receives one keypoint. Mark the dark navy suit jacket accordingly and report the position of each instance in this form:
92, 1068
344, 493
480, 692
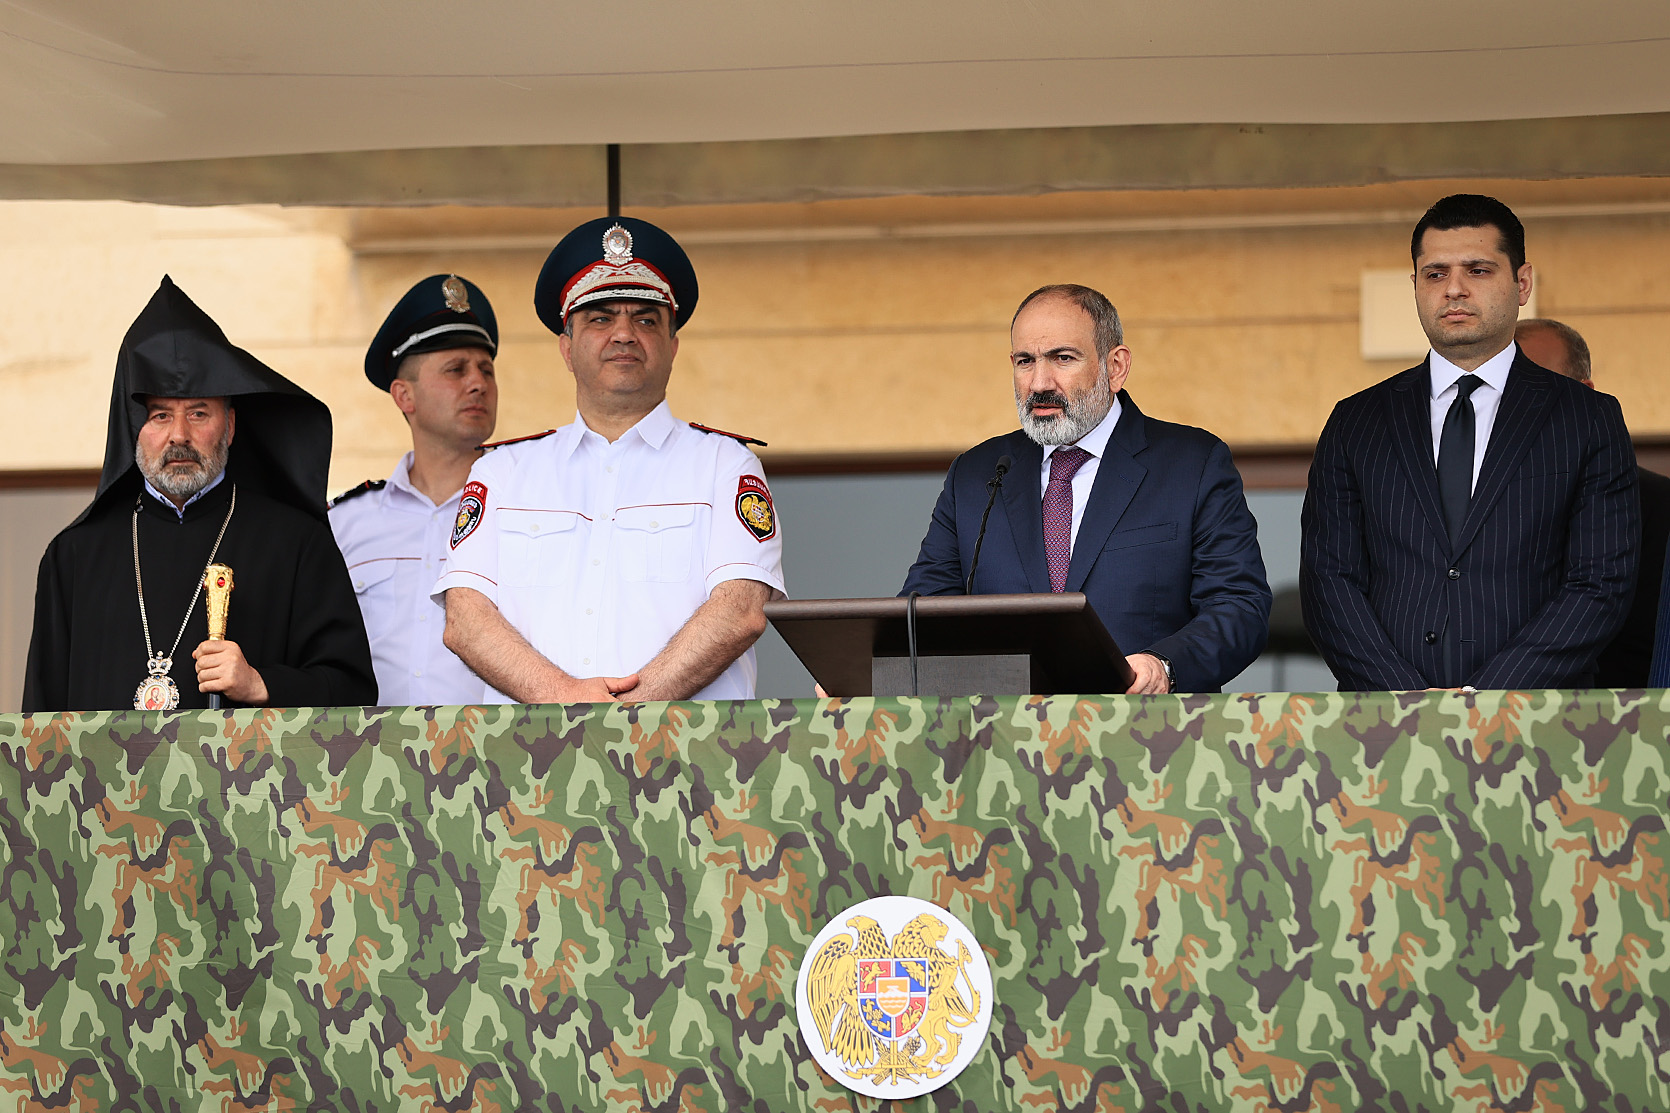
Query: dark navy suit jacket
1167, 551
1541, 575
1626, 662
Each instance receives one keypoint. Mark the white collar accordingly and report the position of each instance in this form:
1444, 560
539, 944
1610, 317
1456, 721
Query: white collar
401, 479
653, 428
1095, 442
1494, 371
180, 511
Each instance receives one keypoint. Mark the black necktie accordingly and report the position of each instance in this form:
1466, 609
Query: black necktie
1455, 455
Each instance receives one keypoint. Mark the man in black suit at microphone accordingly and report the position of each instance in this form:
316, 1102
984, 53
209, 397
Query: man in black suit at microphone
1145, 517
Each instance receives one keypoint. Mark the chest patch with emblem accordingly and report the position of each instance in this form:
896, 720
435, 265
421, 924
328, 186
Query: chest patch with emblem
753, 507
470, 505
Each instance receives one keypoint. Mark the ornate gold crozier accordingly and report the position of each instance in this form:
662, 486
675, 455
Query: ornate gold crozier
217, 599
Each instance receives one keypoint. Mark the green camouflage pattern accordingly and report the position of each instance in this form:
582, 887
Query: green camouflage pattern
1261, 903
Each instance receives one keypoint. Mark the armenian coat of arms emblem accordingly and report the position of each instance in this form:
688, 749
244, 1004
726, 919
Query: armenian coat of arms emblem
894, 997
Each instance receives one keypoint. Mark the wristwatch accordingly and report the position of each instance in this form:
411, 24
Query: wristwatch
1165, 663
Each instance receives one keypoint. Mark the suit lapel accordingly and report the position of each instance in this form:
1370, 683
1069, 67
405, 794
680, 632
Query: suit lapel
1411, 419
1524, 408
1118, 476
1024, 504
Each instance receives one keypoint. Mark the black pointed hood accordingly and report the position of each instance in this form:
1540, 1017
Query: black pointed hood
175, 350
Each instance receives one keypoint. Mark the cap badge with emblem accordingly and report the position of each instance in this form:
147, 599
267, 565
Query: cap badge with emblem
617, 246
457, 295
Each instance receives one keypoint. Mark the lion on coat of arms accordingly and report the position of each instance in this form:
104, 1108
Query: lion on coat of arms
892, 1010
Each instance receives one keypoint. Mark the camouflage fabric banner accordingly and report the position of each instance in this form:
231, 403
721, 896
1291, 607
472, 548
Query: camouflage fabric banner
1388, 902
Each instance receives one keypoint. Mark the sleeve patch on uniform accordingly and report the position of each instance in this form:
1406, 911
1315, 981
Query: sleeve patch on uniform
470, 506
753, 508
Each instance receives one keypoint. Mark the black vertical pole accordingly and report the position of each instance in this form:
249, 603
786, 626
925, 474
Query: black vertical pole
614, 179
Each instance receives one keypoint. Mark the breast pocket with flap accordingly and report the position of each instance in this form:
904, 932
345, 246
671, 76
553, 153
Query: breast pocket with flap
366, 576
538, 547
656, 543
1141, 535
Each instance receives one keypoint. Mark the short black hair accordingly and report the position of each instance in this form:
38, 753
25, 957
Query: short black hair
1473, 210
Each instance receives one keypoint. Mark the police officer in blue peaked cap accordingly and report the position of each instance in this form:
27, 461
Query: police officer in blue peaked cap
441, 312
613, 258
434, 356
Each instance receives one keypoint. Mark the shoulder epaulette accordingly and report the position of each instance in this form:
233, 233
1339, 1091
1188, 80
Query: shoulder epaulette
515, 440
356, 492
723, 433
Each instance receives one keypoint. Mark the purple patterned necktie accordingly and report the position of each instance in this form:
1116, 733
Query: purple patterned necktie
1058, 513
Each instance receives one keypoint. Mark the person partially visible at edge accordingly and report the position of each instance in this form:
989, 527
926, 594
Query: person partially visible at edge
1472, 521
629, 555
1145, 517
434, 357
1626, 661
1659, 677
211, 456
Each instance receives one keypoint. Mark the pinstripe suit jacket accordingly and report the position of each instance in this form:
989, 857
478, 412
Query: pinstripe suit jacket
1659, 676
1539, 579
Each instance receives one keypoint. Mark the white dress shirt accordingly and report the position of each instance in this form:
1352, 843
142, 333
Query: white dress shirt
394, 541
1094, 442
598, 553
1486, 399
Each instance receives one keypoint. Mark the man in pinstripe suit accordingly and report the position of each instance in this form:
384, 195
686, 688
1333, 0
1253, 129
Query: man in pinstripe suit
1625, 663
1471, 522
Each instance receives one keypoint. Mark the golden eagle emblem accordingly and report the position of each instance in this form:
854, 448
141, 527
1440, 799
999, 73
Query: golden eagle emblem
753, 507
756, 512
892, 1011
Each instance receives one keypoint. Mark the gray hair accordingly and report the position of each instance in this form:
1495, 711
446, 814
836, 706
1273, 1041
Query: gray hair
1110, 334
208, 465
1577, 349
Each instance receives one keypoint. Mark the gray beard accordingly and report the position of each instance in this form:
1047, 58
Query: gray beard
1079, 415
179, 483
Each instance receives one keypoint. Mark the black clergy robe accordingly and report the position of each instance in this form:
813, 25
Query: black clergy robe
293, 611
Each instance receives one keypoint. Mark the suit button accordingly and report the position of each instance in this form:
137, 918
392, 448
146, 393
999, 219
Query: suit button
1455, 573
1431, 638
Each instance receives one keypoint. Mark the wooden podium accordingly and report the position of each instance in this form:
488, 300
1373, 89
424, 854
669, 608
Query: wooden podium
999, 645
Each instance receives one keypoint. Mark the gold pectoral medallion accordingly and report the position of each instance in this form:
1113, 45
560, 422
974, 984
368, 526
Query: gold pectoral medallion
157, 692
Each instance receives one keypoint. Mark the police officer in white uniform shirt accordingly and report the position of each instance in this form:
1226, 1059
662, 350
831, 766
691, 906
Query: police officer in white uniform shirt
434, 357
628, 556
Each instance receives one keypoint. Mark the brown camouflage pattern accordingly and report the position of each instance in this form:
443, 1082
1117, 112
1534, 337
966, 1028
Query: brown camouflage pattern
1259, 903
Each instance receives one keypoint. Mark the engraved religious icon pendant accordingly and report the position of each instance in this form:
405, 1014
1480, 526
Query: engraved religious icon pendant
157, 692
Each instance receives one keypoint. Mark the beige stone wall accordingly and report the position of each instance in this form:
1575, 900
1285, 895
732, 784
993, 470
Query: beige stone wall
75, 274
831, 327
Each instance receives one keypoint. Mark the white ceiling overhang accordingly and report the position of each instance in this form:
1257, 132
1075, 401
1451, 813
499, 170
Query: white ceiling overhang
242, 90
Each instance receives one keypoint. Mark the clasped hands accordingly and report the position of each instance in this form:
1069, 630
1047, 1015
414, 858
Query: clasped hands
593, 689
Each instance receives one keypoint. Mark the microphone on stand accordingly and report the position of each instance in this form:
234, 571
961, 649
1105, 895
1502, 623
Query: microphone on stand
910, 638
1004, 463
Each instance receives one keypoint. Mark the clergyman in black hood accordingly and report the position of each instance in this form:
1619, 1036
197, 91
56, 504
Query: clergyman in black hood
211, 457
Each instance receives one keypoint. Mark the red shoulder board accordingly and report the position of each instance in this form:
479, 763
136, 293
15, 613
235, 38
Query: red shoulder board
516, 440
722, 433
